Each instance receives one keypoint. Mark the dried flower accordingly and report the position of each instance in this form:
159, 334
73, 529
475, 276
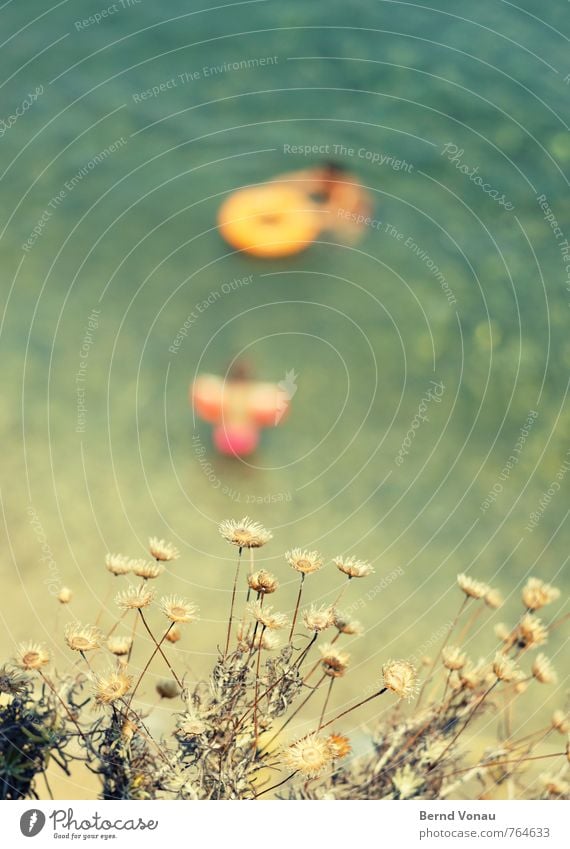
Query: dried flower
304, 561
453, 658
31, 655
263, 582
400, 677
531, 632
134, 598
352, 567
191, 726
245, 533
174, 634
178, 609
64, 595
560, 721
503, 632
318, 618
535, 594
167, 689
471, 587
493, 599
146, 569
119, 646
250, 638
543, 670
406, 782
111, 686
82, 637
350, 627
309, 755
162, 550
118, 564
333, 661
266, 617
475, 675
554, 785
505, 669
339, 745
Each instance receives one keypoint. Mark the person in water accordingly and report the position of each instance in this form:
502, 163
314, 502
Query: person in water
239, 407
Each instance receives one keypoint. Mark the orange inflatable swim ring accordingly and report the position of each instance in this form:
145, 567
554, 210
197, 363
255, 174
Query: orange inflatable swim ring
270, 220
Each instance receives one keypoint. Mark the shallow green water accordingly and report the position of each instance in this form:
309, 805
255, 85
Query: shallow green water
131, 233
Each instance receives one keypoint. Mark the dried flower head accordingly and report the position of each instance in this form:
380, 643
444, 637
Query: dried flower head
352, 567
334, 662
118, 564
174, 634
162, 550
535, 594
251, 638
191, 726
245, 533
346, 625
267, 617
560, 721
531, 632
111, 686
406, 782
167, 689
503, 632
31, 655
309, 755
543, 670
262, 582
318, 618
146, 569
64, 595
304, 561
474, 675
505, 669
400, 677
119, 646
471, 587
134, 598
339, 745
453, 658
178, 609
82, 637
493, 599
554, 785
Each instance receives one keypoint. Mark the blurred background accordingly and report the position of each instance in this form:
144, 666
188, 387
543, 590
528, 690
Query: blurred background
140, 121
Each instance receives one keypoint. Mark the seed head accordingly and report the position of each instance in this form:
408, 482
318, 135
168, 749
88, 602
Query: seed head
162, 550
309, 755
264, 639
543, 670
111, 686
560, 721
353, 568
304, 561
64, 595
471, 587
178, 609
493, 599
31, 656
82, 637
119, 646
347, 626
339, 745
506, 670
263, 582
318, 618
146, 569
134, 598
531, 632
503, 632
334, 662
535, 594
400, 677
406, 782
118, 564
174, 634
266, 617
474, 675
245, 533
167, 689
453, 658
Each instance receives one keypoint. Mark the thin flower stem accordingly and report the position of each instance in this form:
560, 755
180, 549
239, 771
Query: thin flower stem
149, 661
232, 605
293, 715
443, 645
104, 604
324, 710
65, 707
256, 708
312, 669
349, 710
297, 607
470, 716
503, 763
275, 786
159, 647
133, 634
117, 623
